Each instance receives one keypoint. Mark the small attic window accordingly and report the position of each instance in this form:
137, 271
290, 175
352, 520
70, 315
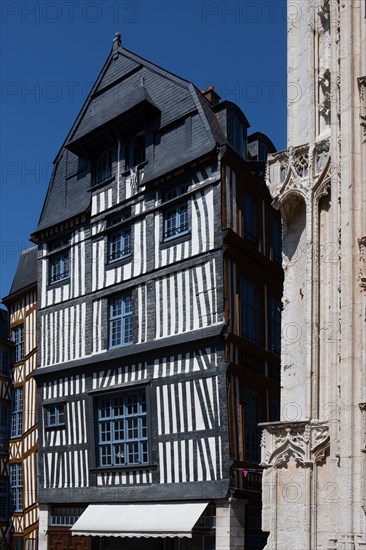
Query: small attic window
235, 133
137, 150
104, 167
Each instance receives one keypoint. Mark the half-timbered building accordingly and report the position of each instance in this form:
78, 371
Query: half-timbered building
159, 306
5, 400
23, 435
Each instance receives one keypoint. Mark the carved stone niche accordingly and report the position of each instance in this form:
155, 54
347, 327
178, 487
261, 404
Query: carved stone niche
306, 442
362, 272
362, 89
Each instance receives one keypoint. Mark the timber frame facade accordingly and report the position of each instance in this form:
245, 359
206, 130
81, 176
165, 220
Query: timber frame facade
23, 434
159, 288
6, 351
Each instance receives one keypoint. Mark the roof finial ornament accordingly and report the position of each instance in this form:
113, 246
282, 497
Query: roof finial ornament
117, 42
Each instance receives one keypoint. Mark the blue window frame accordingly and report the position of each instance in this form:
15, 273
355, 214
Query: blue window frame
250, 311
59, 268
17, 335
250, 217
176, 221
16, 486
252, 416
120, 321
3, 500
4, 362
104, 167
122, 429
119, 245
276, 239
54, 415
4, 425
17, 413
274, 325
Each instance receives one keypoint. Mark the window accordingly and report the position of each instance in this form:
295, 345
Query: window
250, 217
17, 335
54, 415
119, 245
274, 332
65, 515
122, 429
16, 484
137, 150
104, 167
276, 240
252, 416
250, 305
235, 133
4, 362
3, 500
17, 413
120, 321
176, 221
59, 267
4, 424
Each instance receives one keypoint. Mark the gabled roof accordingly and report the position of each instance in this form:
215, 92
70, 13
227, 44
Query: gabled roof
26, 273
125, 82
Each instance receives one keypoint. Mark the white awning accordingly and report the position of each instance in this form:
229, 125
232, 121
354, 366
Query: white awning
139, 520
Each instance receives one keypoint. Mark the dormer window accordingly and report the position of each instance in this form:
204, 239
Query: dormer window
235, 133
104, 167
137, 150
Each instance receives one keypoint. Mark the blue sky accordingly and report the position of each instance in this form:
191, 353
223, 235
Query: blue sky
52, 51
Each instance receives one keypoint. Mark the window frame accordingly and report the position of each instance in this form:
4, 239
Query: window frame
252, 434
122, 251
235, 133
124, 319
60, 261
58, 411
177, 204
5, 362
113, 452
276, 239
250, 313
16, 486
17, 336
104, 174
274, 340
4, 425
16, 428
180, 214
250, 219
4, 498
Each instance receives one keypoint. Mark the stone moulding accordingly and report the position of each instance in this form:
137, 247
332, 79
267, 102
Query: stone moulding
300, 170
306, 442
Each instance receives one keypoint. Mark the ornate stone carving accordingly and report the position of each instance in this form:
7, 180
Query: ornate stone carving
362, 89
306, 443
362, 272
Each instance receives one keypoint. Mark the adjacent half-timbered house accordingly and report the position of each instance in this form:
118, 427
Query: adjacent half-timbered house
159, 292
23, 435
6, 350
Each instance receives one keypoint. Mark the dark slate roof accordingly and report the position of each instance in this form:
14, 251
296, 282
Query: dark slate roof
125, 82
26, 273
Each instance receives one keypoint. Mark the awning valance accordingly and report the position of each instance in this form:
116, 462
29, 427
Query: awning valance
139, 520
